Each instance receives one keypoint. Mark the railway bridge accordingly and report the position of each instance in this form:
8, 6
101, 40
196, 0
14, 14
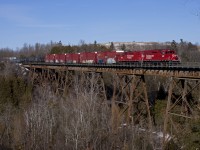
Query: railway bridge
130, 91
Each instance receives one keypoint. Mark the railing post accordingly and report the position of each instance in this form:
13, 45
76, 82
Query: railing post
166, 116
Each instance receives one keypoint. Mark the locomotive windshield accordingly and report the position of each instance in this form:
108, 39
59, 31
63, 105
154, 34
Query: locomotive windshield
167, 52
163, 52
170, 52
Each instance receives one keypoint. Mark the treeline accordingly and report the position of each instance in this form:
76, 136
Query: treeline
27, 50
83, 47
188, 51
40, 50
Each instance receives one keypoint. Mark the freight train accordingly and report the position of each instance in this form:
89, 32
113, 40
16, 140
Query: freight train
116, 57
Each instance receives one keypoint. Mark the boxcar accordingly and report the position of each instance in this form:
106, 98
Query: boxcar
47, 58
108, 57
62, 58
57, 58
72, 58
51, 58
88, 57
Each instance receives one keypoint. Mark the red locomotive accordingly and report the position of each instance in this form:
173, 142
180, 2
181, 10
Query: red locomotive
112, 57
148, 56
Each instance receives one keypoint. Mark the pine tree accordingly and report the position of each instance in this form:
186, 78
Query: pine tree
123, 47
112, 47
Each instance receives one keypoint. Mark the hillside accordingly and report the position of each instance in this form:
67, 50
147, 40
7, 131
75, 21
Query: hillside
139, 45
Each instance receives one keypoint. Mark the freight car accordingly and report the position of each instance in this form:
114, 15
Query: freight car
88, 57
112, 57
109, 57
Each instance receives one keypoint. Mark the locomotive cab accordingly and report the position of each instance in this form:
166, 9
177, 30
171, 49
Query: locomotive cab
170, 55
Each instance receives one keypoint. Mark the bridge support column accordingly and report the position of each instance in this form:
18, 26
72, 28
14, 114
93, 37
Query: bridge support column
130, 96
182, 107
68, 81
32, 74
166, 117
147, 103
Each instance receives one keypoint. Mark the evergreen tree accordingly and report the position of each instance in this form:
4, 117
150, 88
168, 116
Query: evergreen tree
174, 45
123, 47
95, 43
112, 47
59, 43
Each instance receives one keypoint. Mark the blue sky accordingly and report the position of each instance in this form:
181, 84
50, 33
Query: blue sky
25, 21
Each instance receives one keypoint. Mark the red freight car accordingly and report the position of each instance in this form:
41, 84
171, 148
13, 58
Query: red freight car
108, 57
69, 58
76, 58
47, 58
62, 58
57, 58
50, 58
88, 57
72, 58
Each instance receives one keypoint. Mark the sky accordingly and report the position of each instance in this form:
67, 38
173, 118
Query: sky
70, 21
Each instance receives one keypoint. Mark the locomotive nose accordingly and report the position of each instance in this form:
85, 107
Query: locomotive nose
174, 57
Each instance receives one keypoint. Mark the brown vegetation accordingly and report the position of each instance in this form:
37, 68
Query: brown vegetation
79, 120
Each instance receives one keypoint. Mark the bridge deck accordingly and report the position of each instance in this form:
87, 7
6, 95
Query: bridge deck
186, 70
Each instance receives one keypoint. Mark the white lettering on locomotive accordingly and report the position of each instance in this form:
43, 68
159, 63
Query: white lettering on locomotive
149, 56
129, 56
